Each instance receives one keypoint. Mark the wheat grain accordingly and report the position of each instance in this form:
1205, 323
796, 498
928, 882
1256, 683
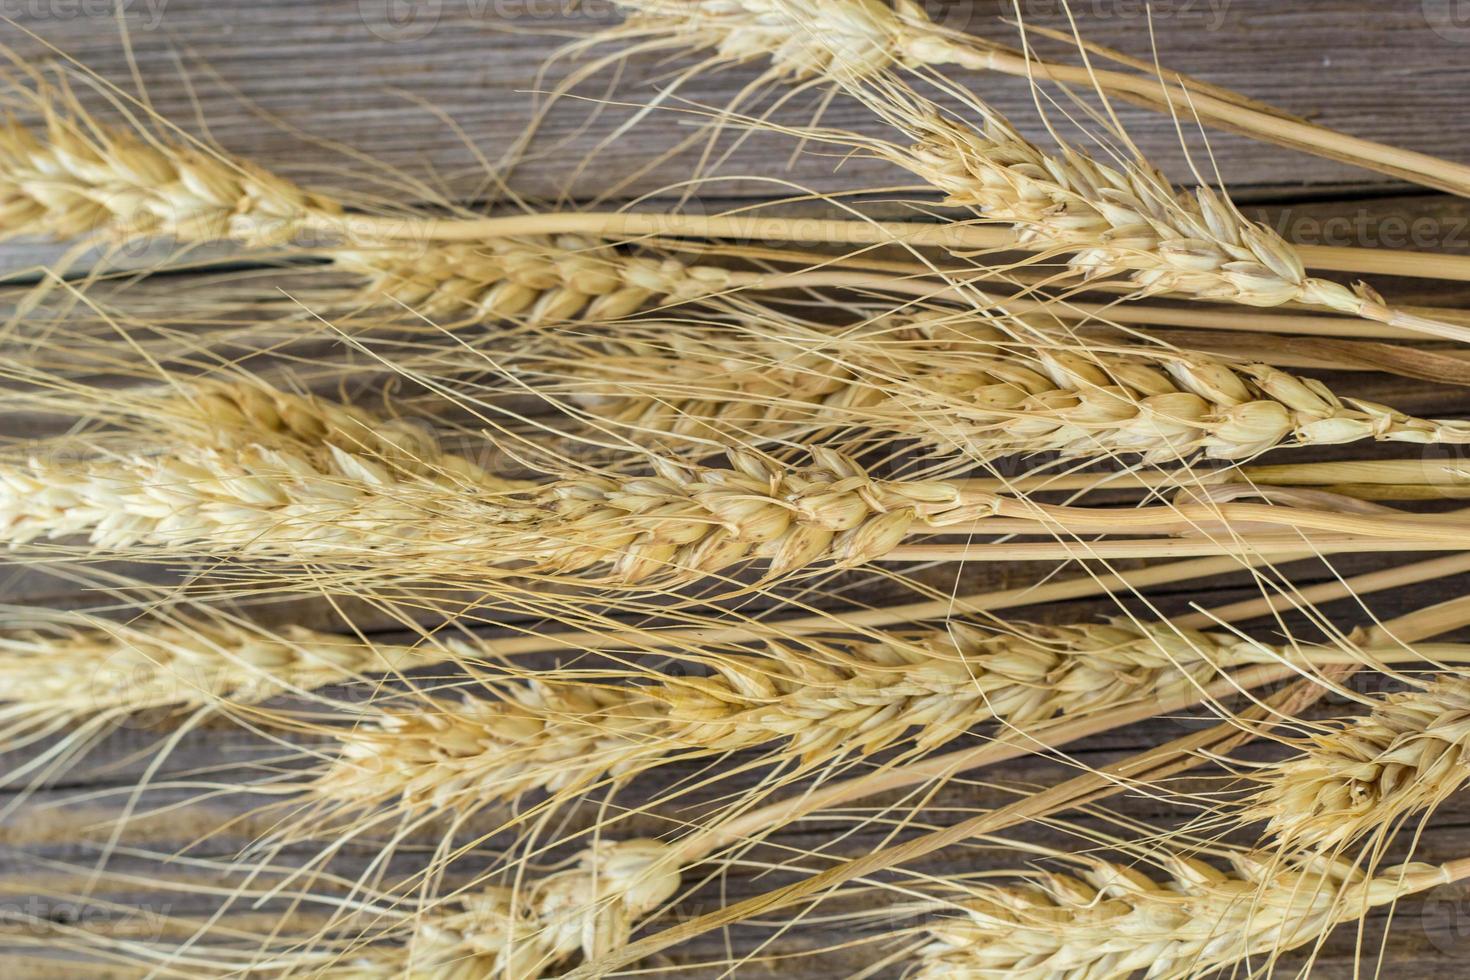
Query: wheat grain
1114, 921
1368, 774
79, 178
524, 933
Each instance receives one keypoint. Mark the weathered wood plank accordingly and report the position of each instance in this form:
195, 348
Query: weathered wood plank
338, 72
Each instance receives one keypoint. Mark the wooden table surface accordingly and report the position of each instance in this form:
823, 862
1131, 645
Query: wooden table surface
431, 88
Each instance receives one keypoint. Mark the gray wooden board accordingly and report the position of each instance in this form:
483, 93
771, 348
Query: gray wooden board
341, 74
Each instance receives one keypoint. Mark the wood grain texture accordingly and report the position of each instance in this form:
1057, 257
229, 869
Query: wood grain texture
289, 84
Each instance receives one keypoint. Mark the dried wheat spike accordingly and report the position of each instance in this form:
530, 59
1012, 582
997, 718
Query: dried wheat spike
459, 756
329, 502
526, 933
1368, 774
78, 177
818, 702
79, 671
690, 521
544, 280
967, 386
248, 469
1112, 920
1128, 221
860, 697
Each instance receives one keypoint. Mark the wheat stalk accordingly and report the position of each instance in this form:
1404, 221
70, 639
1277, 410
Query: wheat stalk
79, 178
1368, 774
1127, 220
1113, 920
852, 40
965, 385
403, 516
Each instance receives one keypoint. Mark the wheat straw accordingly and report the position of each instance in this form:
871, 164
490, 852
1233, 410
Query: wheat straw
1368, 774
1113, 920
686, 522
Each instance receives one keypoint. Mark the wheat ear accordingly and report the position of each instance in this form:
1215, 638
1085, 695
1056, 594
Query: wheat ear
1368, 774
541, 279
526, 932
79, 178
86, 668
1116, 221
1113, 920
815, 703
244, 468
968, 386
443, 755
